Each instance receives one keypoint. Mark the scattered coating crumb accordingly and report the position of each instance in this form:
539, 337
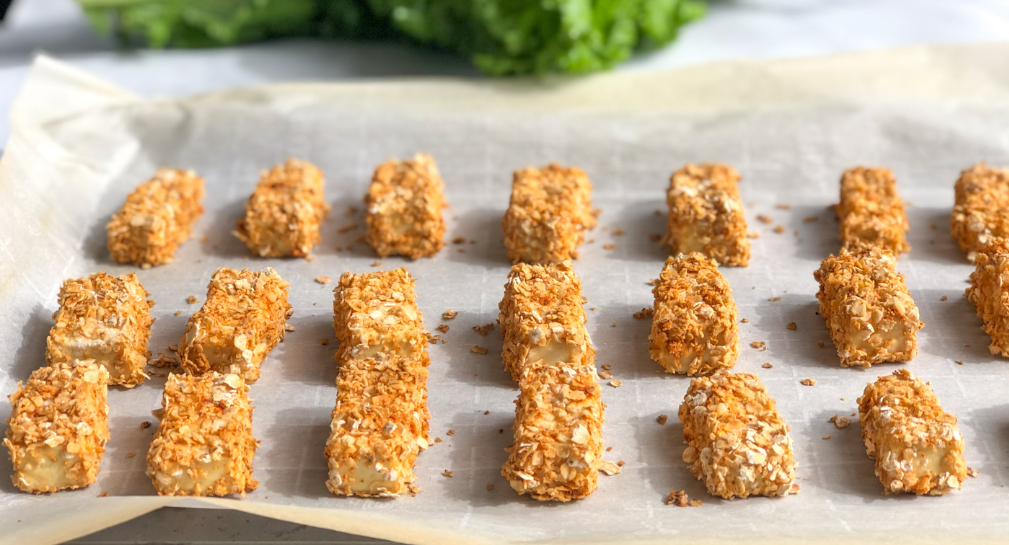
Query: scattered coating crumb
767, 365
808, 382
484, 329
449, 314
840, 422
616, 383
478, 349
662, 419
323, 280
644, 313
442, 328
757, 344
779, 229
792, 326
192, 300
943, 298
447, 473
764, 219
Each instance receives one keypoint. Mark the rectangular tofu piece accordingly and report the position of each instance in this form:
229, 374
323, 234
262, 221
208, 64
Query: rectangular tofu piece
871, 316
558, 448
380, 422
542, 316
204, 444
404, 208
989, 293
737, 441
106, 319
695, 326
58, 427
156, 218
549, 212
871, 212
706, 214
981, 210
241, 321
916, 445
284, 213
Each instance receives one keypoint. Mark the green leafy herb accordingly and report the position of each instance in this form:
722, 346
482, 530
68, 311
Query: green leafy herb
500, 36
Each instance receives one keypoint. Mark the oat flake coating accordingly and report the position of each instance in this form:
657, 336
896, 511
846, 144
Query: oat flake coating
542, 316
284, 213
157, 217
916, 445
380, 423
58, 427
549, 211
737, 441
558, 446
204, 444
982, 207
242, 319
871, 212
706, 214
871, 316
695, 324
107, 319
404, 208
989, 294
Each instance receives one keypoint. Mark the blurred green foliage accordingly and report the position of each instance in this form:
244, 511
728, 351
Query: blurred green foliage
501, 37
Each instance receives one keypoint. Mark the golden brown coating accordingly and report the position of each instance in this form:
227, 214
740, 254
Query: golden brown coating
380, 423
58, 427
988, 292
404, 208
204, 444
558, 446
543, 318
241, 321
706, 214
871, 316
107, 319
737, 441
157, 217
982, 207
871, 212
284, 213
917, 446
695, 324
549, 212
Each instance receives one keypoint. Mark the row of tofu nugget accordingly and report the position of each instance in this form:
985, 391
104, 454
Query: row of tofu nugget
737, 442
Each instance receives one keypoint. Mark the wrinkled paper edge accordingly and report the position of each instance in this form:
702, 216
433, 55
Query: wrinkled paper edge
958, 74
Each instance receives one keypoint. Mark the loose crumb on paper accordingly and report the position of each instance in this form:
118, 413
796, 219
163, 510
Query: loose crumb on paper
808, 382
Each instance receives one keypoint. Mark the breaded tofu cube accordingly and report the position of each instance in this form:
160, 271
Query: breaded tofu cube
106, 319
871, 316
916, 445
204, 444
58, 427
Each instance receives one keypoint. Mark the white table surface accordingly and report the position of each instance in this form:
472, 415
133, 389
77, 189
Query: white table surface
738, 29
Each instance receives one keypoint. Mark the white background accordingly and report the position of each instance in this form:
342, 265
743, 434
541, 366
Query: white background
731, 30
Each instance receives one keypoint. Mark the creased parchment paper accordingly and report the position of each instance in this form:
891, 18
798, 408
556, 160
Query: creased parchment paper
79, 146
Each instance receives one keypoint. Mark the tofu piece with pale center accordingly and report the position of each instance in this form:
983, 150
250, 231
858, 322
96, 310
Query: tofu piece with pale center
706, 214
916, 445
404, 208
106, 319
542, 316
242, 320
204, 444
695, 325
380, 422
988, 292
58, 427
869, 311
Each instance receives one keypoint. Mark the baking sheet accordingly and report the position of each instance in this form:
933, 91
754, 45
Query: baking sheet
80, 145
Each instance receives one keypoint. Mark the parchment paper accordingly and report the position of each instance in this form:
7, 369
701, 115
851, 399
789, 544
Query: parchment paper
79, 146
